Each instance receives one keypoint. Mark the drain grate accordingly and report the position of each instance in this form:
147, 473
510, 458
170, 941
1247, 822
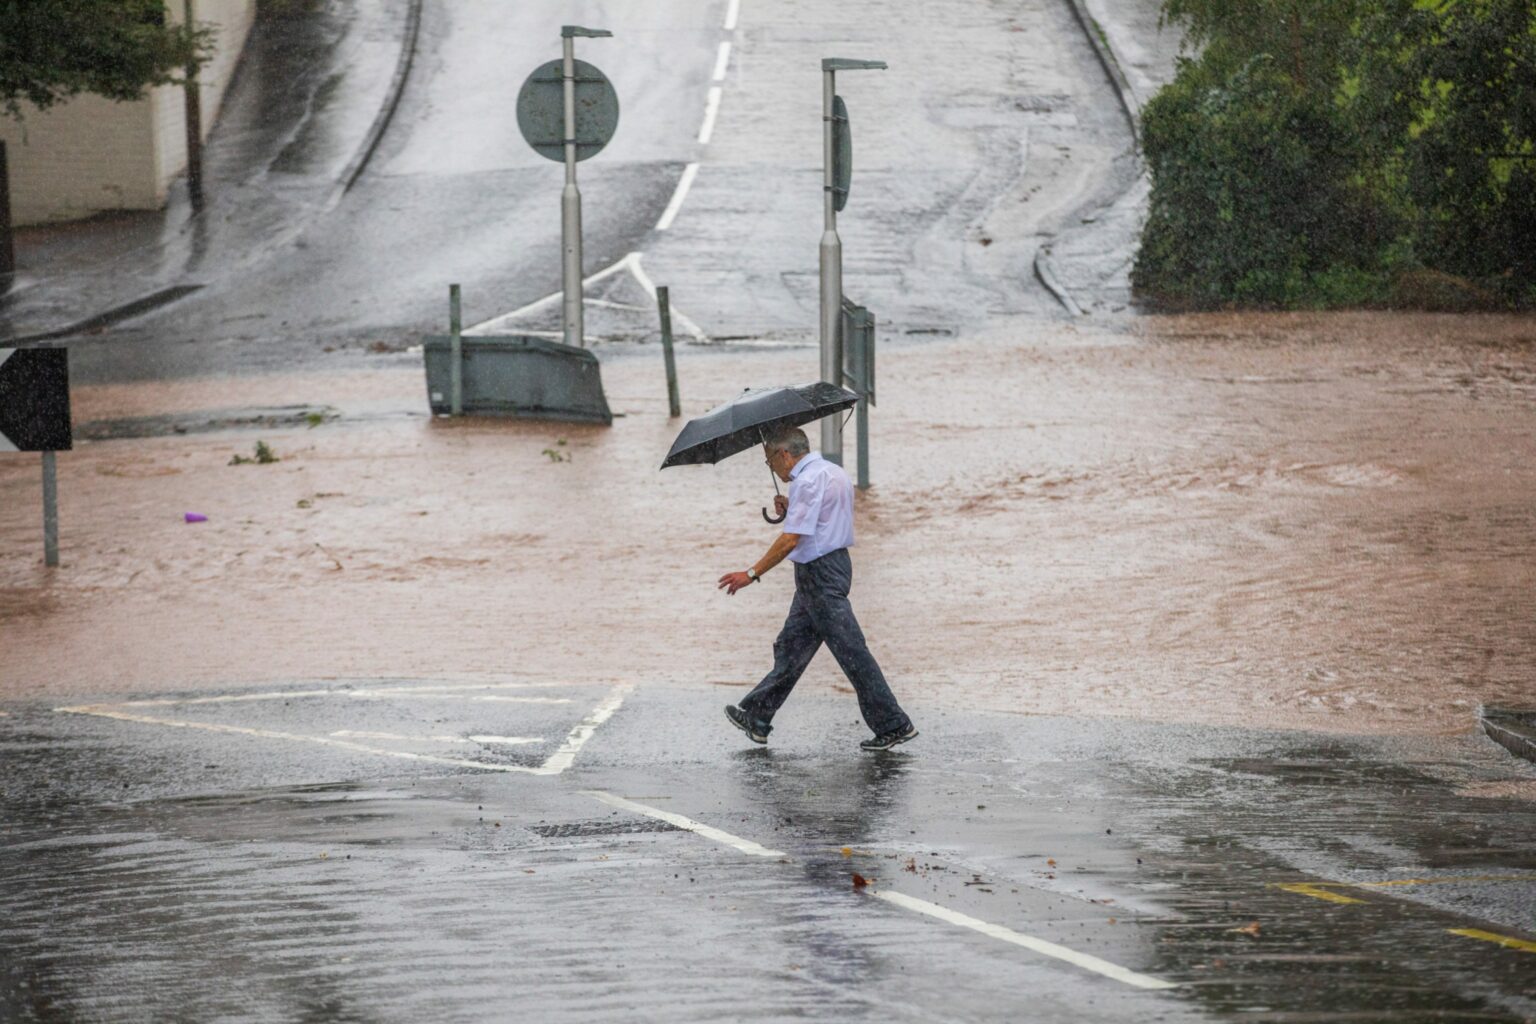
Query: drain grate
601, 827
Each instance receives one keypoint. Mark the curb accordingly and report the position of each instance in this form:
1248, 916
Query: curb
117, 314
1131, 109
1511, 728
359, 162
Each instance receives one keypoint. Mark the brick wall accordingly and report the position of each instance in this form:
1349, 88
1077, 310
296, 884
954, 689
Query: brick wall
91, 154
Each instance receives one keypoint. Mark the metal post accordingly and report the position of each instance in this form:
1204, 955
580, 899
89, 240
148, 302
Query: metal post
50, 511
859, 342
455, 354
7, 245
831, 275
194, 102
570, 210
664, 307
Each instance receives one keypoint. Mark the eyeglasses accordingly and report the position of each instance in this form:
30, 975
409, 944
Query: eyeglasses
771, 456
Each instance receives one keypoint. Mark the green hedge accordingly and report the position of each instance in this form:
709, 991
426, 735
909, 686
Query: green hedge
1406, 176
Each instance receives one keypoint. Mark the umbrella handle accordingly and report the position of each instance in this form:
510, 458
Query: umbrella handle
769, 519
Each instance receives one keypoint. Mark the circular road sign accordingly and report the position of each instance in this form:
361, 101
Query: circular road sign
541, 110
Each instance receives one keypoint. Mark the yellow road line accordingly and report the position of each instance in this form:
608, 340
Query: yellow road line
1438, 881
1322, 890
1316, 891
1508, 941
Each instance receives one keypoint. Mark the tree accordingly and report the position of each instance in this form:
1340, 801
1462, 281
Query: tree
51, 50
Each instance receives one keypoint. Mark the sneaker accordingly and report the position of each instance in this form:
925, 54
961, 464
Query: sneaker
887, 740
756, 731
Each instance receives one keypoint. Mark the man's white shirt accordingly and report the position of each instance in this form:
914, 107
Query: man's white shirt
820, 508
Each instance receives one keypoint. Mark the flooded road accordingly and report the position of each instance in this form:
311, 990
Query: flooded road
1300, 522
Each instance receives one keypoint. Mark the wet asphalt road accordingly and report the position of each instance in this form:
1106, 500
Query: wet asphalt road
441, 850
995, 129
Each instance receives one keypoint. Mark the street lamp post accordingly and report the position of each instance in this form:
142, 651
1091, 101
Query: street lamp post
831, 251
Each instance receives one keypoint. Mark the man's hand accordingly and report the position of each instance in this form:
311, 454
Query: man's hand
734, 581
780, 505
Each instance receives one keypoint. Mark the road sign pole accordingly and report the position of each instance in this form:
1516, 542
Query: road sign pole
570, 209
831, 272
50, 511
455, 354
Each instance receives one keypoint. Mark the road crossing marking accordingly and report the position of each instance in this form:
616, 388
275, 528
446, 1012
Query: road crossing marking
722, 61
731, 12
934, 910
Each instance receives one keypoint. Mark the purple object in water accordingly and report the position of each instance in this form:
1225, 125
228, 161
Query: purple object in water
196, 517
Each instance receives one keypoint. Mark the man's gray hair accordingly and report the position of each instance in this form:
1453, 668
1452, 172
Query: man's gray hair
791, 439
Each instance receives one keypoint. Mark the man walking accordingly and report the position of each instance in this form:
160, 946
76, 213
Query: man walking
818, 531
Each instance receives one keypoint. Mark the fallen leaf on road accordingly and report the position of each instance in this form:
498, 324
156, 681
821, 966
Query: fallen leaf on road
912, 864
847, 851
1051, 861
859, 881
1251, 928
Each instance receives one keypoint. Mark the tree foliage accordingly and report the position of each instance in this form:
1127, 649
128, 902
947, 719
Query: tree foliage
1318, 152
51, 50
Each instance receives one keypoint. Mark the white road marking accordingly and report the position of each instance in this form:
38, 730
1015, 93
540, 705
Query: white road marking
561, 759
996, 931
102, 711
1051, 949
746, 846
678, 195
731, 13
370, 691
722, 61
508, 740
711, 110
556, 763
491, 325
646, 283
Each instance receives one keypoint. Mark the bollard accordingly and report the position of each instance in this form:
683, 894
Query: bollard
50, 511
7, 247
455, 354
664, 307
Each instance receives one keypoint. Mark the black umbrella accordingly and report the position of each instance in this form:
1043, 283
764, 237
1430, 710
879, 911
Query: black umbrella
751, 418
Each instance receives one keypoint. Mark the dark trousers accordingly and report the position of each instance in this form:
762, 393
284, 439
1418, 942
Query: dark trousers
820, 613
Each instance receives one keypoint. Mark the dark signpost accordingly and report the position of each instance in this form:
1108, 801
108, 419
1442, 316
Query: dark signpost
34, 417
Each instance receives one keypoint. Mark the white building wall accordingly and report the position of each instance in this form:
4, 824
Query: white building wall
91, 154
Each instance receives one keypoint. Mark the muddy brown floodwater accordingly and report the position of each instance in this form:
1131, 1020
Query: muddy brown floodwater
1313, 521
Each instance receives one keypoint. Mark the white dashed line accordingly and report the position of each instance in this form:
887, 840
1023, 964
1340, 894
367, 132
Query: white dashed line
746, 846
1051, 949
731, 12
722, 61
711, 110
678, 195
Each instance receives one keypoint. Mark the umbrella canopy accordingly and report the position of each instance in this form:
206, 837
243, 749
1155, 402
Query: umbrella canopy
748, 418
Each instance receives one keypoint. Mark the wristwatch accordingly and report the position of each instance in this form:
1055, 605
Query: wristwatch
752, 575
